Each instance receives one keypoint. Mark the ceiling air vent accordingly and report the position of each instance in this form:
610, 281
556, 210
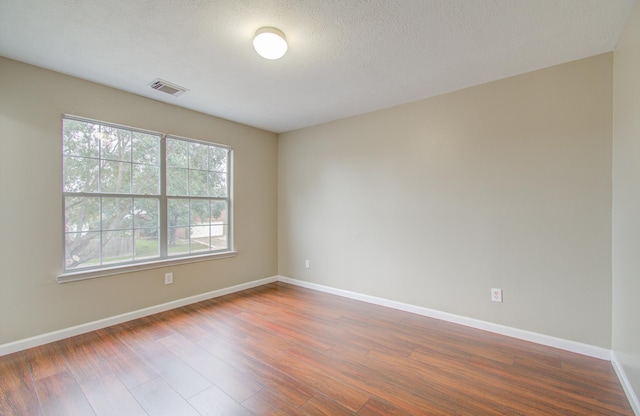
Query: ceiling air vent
169, 88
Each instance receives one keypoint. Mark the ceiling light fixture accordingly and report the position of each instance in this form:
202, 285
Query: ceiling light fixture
270, 43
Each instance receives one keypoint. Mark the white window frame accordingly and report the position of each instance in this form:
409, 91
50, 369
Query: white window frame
164, 259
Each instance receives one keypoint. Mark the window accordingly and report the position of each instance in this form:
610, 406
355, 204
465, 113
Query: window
134, 196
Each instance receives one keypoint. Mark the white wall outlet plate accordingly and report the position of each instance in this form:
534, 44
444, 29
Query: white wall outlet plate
307, 264
496, 295
168, 278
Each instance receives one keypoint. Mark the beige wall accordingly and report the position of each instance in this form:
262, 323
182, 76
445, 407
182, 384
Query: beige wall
433, 203
32, 101
626, 201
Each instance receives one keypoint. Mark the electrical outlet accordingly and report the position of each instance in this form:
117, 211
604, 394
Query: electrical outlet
307, 264
168, 278
496, 295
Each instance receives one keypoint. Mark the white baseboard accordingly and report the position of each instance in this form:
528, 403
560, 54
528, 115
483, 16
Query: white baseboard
567, 345
23, 344
577, 347
626, 384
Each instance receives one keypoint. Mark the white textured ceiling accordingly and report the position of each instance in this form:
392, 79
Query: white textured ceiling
345, 57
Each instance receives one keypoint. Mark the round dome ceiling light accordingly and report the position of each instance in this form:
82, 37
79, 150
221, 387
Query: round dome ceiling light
270, 43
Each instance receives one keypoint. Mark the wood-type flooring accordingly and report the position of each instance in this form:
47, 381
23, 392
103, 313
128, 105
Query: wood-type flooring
283, 350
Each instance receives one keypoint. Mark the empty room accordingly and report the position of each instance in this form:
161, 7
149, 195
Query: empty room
320, 207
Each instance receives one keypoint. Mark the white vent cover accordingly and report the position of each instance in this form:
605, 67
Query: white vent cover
169, 88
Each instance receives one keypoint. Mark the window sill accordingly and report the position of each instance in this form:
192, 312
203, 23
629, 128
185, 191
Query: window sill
130, 268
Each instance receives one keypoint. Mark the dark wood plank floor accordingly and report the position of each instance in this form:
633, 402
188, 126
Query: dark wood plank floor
283, 350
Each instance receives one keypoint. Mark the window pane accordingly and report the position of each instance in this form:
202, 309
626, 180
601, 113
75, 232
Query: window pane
81, 214
219, 211
82, 236
147, 243
115, 177
178, 240
197, 182
198, 156
218, 159
81, 139
177, 181
146, 213
117, 213
146, 232
200, 238
146, 179
219, 225
218, 184
177, 153
146, 148
200, 212
219, 240
117, 246
178, 212
115, 144
82, 250
80, 174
